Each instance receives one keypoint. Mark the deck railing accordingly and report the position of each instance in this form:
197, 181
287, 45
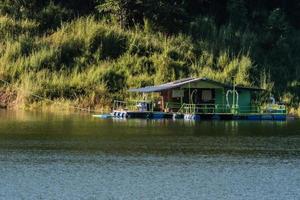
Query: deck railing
203, 108
173, 106
144, 105
133, 105
225, 109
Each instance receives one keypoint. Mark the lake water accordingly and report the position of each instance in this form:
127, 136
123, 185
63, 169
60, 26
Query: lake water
75, 156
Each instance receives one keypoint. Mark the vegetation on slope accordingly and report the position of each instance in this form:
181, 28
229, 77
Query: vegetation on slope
89, 52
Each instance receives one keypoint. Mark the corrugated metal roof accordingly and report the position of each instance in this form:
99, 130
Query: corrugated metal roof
181, 82
166, 86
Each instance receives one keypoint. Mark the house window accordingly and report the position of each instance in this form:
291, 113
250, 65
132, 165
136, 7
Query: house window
177, 93
207, 95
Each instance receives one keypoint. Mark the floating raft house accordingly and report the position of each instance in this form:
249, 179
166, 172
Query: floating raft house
200, 99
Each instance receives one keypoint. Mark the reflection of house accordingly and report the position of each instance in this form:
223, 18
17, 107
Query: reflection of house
201, 92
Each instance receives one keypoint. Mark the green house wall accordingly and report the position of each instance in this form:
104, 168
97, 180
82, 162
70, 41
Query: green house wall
220, 97
244, 102
244, 98
220, 93
220, 100
202, 85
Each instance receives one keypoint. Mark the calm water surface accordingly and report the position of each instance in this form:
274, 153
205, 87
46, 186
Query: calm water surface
55, 156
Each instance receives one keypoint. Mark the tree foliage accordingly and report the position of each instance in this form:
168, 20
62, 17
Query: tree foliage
151, 41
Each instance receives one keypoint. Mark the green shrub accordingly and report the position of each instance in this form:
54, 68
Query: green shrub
107, 44
45, 58
68, 52
142, 47
12, 28
115, 81
52, 16
88, 61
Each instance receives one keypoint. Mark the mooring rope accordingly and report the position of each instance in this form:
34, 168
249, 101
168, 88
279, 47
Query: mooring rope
47, 99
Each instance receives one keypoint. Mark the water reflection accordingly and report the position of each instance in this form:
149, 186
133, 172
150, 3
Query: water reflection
75, 156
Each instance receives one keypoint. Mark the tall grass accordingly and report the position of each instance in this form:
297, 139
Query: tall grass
11, 28
87, 63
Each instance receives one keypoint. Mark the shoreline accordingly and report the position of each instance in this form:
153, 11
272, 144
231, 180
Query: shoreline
11, 100
70, 107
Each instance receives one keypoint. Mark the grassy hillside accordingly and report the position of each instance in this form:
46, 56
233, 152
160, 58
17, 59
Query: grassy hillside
74, 56
90, 62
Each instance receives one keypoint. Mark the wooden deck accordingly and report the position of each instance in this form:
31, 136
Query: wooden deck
145, 110
198, 116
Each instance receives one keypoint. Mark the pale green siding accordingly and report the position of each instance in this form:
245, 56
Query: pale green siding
220, 97
244, 98
201, 84
244, 101
220, 100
